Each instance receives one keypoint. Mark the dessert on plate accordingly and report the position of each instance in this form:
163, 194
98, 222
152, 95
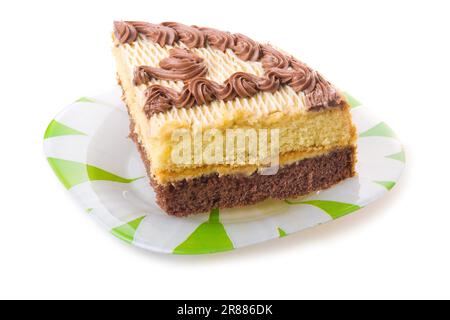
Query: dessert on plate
221, 120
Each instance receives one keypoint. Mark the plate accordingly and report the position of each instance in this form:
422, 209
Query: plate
88, 148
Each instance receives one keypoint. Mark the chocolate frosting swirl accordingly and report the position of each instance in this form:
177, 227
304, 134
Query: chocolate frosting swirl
190, 36
296, 64
303, 81
303, 77
273, 58
125, 32
283, 75
159, 99
245, 48
244, 84
180, 65
323, 95
226, 92
218, 39
318, 92
199, 91
269, 83
157, 33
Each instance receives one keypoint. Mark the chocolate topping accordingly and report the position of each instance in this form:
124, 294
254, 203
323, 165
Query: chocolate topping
304, 79
244, 84
218, 39
283, 75
271, 83
157, 33
273, 58
190, 36
246, 49
324, 94
125, 32
183, 65
159, 99
180, 65
198, 92
319, 93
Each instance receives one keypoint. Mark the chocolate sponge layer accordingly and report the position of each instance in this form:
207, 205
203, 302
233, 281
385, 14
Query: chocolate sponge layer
202, 194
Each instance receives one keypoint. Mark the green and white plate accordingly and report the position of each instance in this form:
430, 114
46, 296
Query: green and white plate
87, 146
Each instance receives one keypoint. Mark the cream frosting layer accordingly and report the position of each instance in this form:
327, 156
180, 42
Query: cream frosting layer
280, 68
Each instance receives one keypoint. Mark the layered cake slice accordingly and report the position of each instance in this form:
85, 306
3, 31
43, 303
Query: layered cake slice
221, 120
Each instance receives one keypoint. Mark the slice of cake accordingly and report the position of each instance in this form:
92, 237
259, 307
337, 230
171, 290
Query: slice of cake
221, 120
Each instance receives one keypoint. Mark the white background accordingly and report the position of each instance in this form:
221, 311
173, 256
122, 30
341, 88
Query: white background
392, 55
